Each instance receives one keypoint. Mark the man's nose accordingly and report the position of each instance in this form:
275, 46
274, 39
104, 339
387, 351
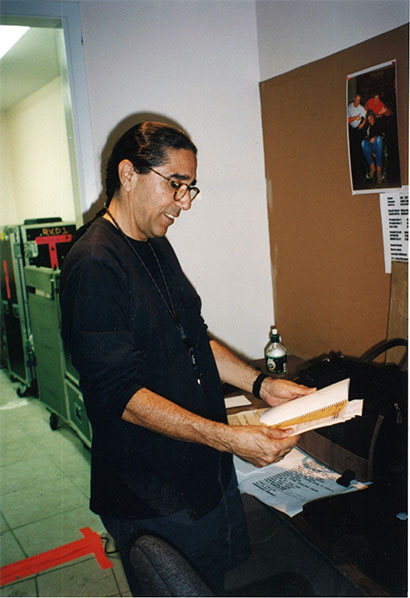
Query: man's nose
185, 202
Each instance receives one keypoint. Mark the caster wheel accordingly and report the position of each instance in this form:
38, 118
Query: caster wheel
54, 421
22, 391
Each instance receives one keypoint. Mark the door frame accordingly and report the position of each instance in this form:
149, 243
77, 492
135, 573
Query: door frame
41, 13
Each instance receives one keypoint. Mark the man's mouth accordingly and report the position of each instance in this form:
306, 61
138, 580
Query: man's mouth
171, 216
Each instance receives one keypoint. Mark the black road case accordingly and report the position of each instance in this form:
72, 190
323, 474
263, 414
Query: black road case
16, 331
41, 242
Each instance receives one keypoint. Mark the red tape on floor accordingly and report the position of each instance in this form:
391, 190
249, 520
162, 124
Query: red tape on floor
91, 543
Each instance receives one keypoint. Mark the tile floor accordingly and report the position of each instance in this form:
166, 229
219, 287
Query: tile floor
44, 479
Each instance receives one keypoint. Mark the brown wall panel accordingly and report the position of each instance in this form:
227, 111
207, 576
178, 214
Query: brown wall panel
330, 288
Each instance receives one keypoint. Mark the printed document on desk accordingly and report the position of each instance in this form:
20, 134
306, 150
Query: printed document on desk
290, 483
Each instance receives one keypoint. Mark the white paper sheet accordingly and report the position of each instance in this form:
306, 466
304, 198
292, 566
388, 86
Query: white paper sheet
239, 401
290, 483
394, 211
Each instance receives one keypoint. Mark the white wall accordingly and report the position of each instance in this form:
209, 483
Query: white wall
8, 207
292, 33
38, 178
196, 62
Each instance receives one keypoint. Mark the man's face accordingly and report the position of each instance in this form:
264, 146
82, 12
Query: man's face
357, 99
153, 207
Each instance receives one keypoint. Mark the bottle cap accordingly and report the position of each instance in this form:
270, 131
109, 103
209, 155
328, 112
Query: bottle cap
274, 335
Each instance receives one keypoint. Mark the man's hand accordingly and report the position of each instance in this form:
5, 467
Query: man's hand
261, 445
275, 391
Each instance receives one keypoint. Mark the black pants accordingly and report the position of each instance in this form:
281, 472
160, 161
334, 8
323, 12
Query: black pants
214, 544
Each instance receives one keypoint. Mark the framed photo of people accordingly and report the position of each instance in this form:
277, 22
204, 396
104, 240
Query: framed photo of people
372, 133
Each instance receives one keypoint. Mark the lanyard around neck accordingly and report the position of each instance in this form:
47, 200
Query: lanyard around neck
168, 305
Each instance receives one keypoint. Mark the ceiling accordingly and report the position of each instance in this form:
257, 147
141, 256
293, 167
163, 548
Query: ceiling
29, 65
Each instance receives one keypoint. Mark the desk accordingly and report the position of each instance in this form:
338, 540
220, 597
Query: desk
364, 559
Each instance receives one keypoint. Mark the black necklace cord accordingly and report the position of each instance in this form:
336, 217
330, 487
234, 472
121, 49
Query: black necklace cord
169, 306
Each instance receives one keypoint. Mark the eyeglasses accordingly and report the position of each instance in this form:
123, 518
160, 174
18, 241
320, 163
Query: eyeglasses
179, 189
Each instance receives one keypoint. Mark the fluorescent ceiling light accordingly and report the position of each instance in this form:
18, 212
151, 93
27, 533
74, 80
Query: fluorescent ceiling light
9, 35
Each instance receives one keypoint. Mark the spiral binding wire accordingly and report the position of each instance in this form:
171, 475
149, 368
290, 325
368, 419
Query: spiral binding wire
333, 409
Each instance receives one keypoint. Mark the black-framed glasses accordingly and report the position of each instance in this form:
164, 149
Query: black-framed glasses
179, 189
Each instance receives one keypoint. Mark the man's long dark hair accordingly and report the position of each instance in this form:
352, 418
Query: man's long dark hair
144, 145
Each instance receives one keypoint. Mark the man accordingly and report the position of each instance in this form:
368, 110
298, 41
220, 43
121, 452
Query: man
356, 113
356, 117
377, 106
151, 376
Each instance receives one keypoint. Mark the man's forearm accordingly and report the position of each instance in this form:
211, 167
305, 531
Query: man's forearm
232, 369
235, 371
257, 444
152, 411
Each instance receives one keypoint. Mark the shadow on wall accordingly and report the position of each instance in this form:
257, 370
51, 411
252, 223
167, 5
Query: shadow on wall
115, 134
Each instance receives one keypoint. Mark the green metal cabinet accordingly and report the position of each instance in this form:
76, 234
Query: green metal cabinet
57, 387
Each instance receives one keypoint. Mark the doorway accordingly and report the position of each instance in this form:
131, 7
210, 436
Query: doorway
46, 155
37, 156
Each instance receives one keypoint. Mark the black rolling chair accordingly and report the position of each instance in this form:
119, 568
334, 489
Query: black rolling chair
161, 569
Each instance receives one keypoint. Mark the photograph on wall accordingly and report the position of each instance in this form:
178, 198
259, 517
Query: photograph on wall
372, 129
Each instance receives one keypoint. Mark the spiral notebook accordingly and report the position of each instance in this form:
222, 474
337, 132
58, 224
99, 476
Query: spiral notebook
325, 407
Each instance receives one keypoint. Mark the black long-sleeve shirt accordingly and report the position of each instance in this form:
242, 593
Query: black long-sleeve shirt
372, 130
122, 338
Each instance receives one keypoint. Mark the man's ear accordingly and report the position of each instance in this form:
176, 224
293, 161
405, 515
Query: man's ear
125, 173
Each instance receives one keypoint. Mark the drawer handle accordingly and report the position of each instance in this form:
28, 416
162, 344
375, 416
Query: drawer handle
78, 414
